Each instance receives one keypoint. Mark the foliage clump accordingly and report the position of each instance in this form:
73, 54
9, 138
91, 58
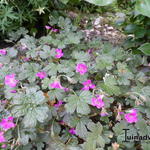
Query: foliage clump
66, 93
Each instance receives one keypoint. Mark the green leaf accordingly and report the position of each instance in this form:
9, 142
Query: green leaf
65, 1
100, 2
79, 103
52, 69
72, 104
83, 108
12, 52
118, 128
124, 74
81, 56
110, 85
94, 139
46, 53
141, 125
104, 61
145, 146
56, 93
35, 114
41, 113
45, 83
86, 96
81, 127
145, 48
143, 7
28, 71
29, 119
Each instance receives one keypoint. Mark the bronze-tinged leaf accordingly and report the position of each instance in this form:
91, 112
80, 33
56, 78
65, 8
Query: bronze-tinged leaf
51, 102
46, 96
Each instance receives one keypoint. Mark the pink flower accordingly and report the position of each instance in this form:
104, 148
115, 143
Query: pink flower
3, 101
48, 27
60, 102
72, 131
10, 80
2, 138
59, 53
7, 123
13, 91
26, 59
88, 85
4, 146
41, 75
56, 84
1, 65
55, 30
3, 51
132, 116
66, 89
103, 114
98, 102
81, 68
90, 51
121, 113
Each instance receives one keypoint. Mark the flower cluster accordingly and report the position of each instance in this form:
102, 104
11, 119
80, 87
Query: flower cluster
6, 124
51, 28
10, 80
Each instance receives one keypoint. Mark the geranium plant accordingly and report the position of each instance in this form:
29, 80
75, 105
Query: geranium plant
57, 95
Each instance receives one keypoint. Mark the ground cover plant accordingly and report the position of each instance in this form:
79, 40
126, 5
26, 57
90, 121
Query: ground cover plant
69, 91
64, 92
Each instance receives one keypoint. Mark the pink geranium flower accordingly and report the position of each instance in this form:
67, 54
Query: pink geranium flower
7, 123
26, 59
2, 138
56, 84
103, 114
1, 65
88, 85
60, 102
10, 80
132, 116
72, 131
59, 53
13, 91
66, 89
4, 146
3, 51
90, 51
48, 27
55, 30
41, 75
81, 68
98, 102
